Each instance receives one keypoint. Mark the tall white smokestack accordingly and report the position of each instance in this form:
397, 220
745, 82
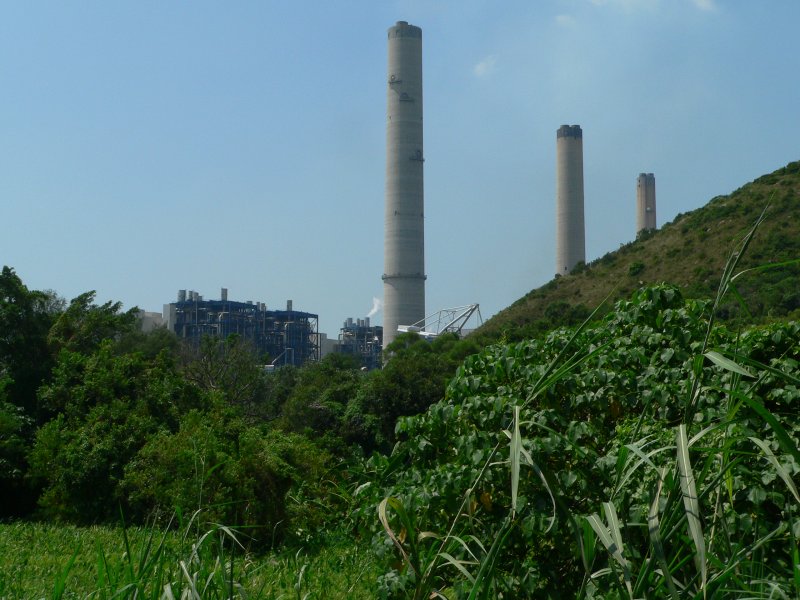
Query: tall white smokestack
404, 240
570, 231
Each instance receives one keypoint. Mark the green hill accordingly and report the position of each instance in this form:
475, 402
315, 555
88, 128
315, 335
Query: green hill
689, 252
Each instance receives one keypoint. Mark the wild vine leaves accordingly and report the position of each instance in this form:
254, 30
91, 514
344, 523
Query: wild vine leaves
608, 431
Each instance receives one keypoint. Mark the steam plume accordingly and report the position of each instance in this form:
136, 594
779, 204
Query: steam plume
377, 304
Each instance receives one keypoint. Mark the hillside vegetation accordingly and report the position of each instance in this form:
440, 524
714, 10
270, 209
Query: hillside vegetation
689, 252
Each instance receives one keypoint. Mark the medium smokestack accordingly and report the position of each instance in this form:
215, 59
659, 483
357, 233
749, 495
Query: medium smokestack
570, 229
645, 202
404, 240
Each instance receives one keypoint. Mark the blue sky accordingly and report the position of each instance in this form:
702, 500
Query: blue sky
147, 147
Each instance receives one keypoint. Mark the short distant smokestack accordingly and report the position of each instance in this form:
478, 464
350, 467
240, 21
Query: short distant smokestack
224, 294
181, 295
645, 202
570, 229
288, 306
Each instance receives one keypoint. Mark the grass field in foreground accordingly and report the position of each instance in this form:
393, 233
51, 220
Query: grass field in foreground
35, 563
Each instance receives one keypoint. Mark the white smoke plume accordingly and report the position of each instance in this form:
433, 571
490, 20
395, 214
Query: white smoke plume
377, 304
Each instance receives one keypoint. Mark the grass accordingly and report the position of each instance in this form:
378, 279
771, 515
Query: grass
61, 561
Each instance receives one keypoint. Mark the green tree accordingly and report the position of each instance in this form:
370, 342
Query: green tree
227, 367
414, 377
149, 344
25, 363
15, 430
107, 407
318, 400
84, 325
25, 319
229, 471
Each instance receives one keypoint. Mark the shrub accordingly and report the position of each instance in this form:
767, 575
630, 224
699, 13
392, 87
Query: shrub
534, 438
635, 268
235, 474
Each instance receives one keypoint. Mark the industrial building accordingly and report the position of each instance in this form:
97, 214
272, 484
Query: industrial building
645, 202
404, 240
570, 229
364, 341
282, 337
148, 321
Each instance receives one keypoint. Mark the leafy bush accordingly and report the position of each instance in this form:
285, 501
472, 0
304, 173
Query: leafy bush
509, 472
635, 268
233, 474
108, 406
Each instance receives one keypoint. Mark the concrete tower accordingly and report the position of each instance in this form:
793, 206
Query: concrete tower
404, 240
645, 202
570, 232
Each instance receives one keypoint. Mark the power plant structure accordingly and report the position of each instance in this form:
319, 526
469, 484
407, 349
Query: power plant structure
285, 337
645, 202
404, 239
360, 339
570, 229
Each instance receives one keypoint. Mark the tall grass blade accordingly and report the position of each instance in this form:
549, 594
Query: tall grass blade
732, 568
794, 380
516, 451
464, 545
61, 580
542, 478
766, 267
384, 519
587, 545
613, 524
691, 503
654, 528
102, 566
529, 460
612, 541
643, 459
483, 579
459, 564
778, 466
783, 438
727, 363
727, 277
192, 591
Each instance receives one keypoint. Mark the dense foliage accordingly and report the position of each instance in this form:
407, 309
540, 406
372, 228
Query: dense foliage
508, 474
99, 419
